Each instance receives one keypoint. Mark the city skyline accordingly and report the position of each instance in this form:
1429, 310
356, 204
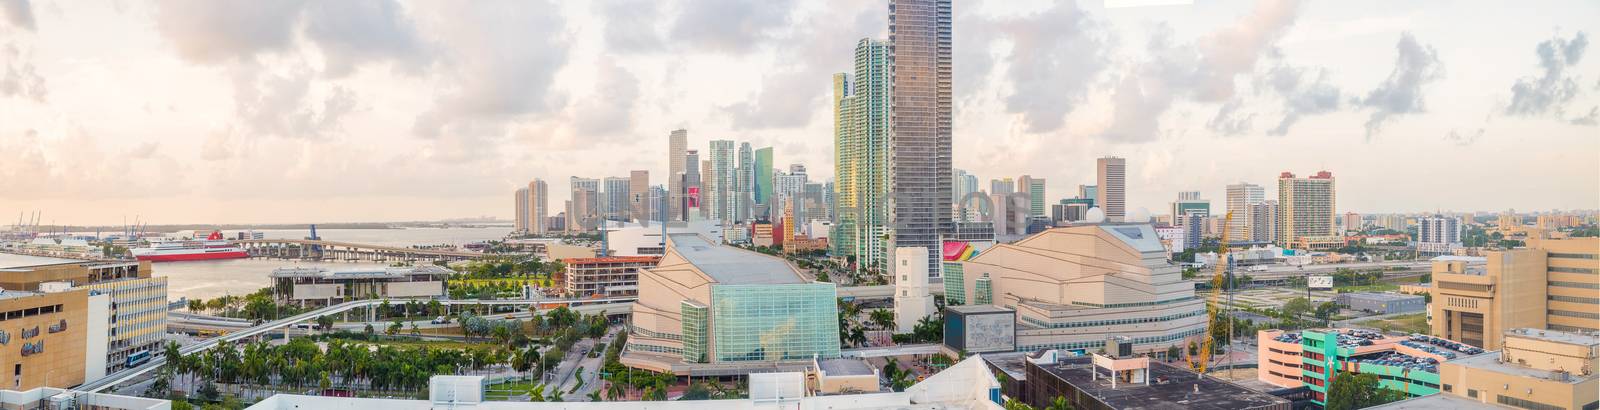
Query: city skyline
418, 118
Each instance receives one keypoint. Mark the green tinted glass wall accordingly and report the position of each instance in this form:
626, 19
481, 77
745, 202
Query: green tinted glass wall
955, 287
694, 331
774, 322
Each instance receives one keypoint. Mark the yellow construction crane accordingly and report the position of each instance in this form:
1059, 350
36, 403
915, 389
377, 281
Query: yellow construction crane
1213, 303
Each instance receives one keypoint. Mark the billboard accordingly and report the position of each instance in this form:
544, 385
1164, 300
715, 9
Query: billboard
1320, 282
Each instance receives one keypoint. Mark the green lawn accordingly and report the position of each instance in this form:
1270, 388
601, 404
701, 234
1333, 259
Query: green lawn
1381, 287
1411, 323
506, 390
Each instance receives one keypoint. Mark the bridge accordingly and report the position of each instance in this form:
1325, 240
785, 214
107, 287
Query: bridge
316, 249
616, 305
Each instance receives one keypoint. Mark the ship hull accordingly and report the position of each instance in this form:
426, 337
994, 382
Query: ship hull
175, 257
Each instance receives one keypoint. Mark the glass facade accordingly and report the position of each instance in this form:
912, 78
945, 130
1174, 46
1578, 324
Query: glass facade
983, 292
955, 284
772, 322
920, 169
694, 331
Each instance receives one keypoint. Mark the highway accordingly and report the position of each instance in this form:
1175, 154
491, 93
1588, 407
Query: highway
130, 374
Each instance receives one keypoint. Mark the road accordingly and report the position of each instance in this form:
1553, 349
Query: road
133, 373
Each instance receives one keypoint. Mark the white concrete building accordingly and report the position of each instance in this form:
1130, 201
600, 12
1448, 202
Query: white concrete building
912, 300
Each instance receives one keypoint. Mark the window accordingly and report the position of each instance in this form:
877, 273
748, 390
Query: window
1472, 393
1447, 388
1572, 270
1526, 404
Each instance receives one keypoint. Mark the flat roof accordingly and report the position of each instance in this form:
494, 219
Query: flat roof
391, 272
978, 309
1140, 236
1169, 388
1491, 362
14, 294
18, 261
1381, 296
732, 266
845, 367
1557, 336
1436, 401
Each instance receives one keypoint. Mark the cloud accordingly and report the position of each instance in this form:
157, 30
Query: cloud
282, 104
1234, 50
19, 78
1401, 93
631, 25
207, 31
1055, 57
492, 84
1592, 118
1553, 88
350, 33
1464, 139
19, 13
1229, 121
816, 47
76, 164
1304, 93
729, 26
609, 111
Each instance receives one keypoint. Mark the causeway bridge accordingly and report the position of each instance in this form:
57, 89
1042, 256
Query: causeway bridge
316, 249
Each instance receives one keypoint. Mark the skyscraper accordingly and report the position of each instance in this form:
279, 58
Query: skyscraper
677, 171
618, 201
1035, 189
584, 214
520, 214
744, 183
691, 184
965, 185
1112, 188
1189, 202
1241, 197
639, 195
1002, 186
919, 57
862, 163
763, 182
720, 182
1263, 220
705, 177
1438, 234
538, 206
1305, 207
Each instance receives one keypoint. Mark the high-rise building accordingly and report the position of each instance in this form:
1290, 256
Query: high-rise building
1002, 186
1035, 189
639, 195
919, 56
720, 182
520, 214
744, 183
763, 182
1112, 188
692, 188
1263, 221
677, 171
1350, 221
862, 166
705, 180
584, 213
965, 208
1089, 192
618, 198
538, 206
1551, 283
1305, 208
1438, 234
1188, 203
1241, 197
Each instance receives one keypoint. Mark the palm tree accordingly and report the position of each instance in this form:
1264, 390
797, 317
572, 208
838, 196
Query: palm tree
883, 318
197, 305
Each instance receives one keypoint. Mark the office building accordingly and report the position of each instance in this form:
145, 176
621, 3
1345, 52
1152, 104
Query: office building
692, 188
706, 178
1112, 189
1536, 369
618, 198
1241, 198
966, 208
1075, 287
53, 332
583, 211
744, 184
1552, 283
1071, 210
763, 182
1312, 358
538, 206
1382, 303
1089, 192
611, 276
520, 213
1002, 186
639, 195
1009, 215
125, 328
1189, 202
1438, 234
1263, 221
677, 171
1036, 194
920, 60
720, 182
710, 309
312, 287
1305, 208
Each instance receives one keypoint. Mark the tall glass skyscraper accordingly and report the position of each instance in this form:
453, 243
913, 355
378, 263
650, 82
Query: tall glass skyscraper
862, 161
919, 57
677, 147
745, 182
720, 188
763, 182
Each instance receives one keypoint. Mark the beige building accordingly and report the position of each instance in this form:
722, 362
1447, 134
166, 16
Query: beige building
1075, 287
45, 338
138, 305
1112, 195
1553, 283
1537, 369
1305, 207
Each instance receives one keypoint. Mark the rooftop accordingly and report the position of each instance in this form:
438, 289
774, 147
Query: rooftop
13, 294
1436, 401
1580, 339
729, 265
1382, 296
1491, 362
1140, 236
391, 272
1170, 388
845, 367
969, 309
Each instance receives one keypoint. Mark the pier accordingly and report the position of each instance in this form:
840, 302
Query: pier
313, 249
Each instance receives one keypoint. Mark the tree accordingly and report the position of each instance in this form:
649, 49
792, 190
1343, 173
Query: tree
1060, 403
1350, 391
1296, 307
883, 318
394, 328
1327, 310
369, 330
325, 322
197, 306
1013, 404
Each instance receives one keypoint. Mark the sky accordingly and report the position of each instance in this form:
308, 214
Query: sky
228, 111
